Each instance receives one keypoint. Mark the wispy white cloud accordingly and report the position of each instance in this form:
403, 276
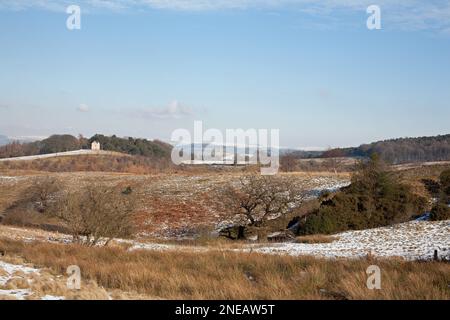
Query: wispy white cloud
172, 111
113, 5
19, 5
403, 14
83, 108
28, 138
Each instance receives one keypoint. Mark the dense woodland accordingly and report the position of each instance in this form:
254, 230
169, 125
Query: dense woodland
403, 150
137, 147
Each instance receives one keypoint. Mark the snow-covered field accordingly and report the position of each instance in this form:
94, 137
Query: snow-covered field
415, 240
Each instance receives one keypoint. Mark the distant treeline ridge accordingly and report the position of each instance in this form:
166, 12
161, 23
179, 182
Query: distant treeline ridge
61, 143
402, 150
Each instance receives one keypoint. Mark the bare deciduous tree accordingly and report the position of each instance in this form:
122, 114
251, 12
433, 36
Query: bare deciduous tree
42, 191
255, 199
96, 213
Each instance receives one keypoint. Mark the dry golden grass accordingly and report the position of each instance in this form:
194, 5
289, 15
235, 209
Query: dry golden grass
315, 238
414, 175
232, 275
48, 283
45, 283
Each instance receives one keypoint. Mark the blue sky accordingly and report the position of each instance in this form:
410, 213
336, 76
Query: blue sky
146, 67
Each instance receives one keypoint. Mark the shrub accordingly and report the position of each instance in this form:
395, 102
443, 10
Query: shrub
445, 178
96, 213
373, 199
445, 183
32, 202
22, 217
440, 211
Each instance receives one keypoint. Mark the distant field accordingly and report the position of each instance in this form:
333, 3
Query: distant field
421, 165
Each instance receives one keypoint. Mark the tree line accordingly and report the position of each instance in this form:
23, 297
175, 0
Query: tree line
402, 150
62, 143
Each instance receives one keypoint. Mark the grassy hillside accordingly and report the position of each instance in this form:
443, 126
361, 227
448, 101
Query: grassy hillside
92, 163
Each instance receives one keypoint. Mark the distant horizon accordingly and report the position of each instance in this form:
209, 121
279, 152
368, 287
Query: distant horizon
312, 69
310, 149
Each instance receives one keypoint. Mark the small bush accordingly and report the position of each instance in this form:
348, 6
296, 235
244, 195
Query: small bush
440, 211
445, 178
445, 183
22, 218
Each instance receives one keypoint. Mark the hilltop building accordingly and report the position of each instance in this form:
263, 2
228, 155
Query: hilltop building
95, 146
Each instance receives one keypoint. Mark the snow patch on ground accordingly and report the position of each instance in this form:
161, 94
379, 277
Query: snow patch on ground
10, 269
50, 297
18, 294
135, 245
327, 184
415, 240
7, 180
9, 272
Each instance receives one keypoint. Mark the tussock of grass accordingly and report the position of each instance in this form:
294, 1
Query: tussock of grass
232, 275
316, 238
